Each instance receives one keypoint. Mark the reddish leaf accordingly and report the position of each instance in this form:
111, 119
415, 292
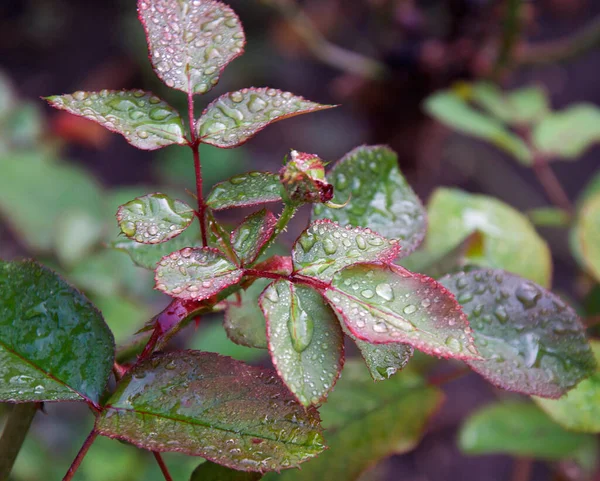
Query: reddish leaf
278, 264
249, 238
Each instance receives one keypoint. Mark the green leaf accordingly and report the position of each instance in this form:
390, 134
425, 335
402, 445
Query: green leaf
235, 117
208, 471
191, 41
203, 404
76, 234
579, 409
195, 273
326, 247
145, 121
378, 197
367, 422
388, 304
569, 133
549, 217
509, 240
245, 190
519, 429
154, 218
54, 345
587, 235
531, 341
244, 321
305, 340
449, 108
519, 107
251, 235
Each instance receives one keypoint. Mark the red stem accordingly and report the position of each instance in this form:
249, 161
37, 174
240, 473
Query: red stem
551, 184
80, 455
162, 465
195, 145
297, 279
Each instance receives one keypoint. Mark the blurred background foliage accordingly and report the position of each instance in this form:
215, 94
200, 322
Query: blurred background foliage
62, 178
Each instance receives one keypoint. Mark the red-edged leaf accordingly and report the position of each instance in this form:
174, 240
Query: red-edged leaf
195, 273
305, 340
235, 117
279, 264
203, 404
249, 238
388, 304
245, 190
191, 41
326, 247
145, 121
531, 341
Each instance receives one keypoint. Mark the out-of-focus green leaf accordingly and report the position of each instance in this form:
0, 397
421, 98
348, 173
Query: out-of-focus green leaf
523, 106
207, 405
245, 190
367, 422
145, 121
54, 344
509, 240
519, 429
77, 233
549, 217
378, 197
244, 321
123, 316
531, 341
208, 471
586, 235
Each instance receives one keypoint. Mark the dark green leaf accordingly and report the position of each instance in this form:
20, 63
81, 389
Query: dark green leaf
54, 345
235, 117
244, 320
305, 340
191, 41
531, 341
203, 404
249, 238
145, 121
518, 429
388, 304
587, 235
326, 247
367, 422
208, 471
378, 197
245, 190
195, 273
154, 218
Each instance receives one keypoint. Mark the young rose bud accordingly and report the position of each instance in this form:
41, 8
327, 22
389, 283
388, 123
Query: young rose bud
303, 178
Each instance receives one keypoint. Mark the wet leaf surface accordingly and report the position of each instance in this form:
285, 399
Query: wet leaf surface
237, 116
203, 404
54, 344
378, 197
191, 41
154, 218
531, 341
249, 238
208, 471
326, 247
244, 320
145, 121
245, 190
305, 340
195, 273
388, 304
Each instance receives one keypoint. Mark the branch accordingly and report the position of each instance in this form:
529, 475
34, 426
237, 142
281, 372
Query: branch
14, 433
80, 455
162, 465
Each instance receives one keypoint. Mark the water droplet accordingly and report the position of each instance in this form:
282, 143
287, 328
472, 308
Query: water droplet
409, 309
329, 246
501, 315
384, 291
453, 344
360, 242
367, 293
528, 295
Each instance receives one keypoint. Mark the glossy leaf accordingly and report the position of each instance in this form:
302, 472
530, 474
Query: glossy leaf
191, 41
388, 304
523, 106
569, 133
249, 238
367, 422
326, 247
305, 340
154, 218
244, 320
235, 117
378, 197
54, 344
203, 404
519, 429
579, 409
195, 273
245, 190
587, 235
531, 341
208, 471
451, 109
145, 121
509, 241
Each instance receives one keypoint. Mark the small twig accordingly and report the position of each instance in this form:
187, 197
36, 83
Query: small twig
14, 433
162, 465
550, 183
80, 455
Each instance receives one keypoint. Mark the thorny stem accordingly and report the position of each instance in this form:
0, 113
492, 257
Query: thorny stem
80, 455
162, 465
195, 146
14, 433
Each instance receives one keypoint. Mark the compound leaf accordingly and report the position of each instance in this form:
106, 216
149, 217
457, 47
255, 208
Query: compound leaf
54, 344
245, 190
249, 238
145, 121
530, 340
244, 321
235, 117
203, 404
